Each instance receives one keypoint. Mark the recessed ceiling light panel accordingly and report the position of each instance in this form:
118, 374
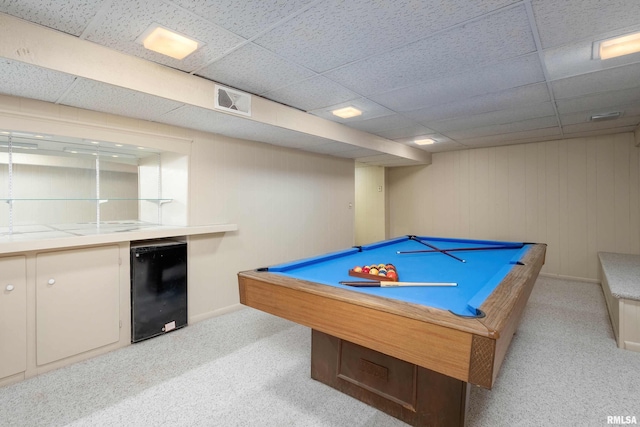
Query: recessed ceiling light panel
168, 42
424, 141
347, 112
619, 46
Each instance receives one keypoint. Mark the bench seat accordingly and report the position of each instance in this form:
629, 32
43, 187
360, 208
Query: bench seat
620, 278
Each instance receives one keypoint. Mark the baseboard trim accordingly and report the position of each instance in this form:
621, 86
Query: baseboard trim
215, 313
576, 279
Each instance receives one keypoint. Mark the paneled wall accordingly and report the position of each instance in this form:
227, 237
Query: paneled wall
288, 205
579, 196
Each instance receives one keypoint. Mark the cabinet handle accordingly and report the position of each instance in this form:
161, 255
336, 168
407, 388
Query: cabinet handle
9, 288
51, 281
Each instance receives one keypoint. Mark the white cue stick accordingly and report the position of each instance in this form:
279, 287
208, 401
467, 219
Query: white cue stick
390, 284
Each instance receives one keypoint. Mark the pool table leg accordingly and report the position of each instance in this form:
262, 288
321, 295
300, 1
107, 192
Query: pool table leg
415, 395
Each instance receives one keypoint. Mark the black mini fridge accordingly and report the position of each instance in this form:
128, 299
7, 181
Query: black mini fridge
158, 288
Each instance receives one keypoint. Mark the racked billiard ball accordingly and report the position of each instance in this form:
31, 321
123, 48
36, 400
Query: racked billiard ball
357, 269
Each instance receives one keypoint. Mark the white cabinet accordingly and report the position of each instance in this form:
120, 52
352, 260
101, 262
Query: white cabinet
77, 301
13, 316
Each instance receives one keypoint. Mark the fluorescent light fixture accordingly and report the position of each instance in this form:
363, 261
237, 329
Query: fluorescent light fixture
168, 42
347, 112
23, 145
619, 46
605, 116
424, 141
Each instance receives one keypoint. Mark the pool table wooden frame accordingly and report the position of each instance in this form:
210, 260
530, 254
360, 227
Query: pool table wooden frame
467, 350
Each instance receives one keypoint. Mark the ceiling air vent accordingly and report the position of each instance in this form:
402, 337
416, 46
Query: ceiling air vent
232, 101
605, 116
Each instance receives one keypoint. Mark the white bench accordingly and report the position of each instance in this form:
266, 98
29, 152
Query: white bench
620, 278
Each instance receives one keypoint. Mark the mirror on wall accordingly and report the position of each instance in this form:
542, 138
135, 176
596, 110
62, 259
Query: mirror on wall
51, 184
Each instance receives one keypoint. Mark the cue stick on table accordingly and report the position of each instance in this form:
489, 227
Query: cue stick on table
479, 248
390, 284
443, 251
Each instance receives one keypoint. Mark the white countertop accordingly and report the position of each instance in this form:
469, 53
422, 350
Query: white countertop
44, 237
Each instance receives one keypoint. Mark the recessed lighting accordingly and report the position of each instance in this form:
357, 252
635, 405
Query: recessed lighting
619, 46
424, 141
346, 112
168, 42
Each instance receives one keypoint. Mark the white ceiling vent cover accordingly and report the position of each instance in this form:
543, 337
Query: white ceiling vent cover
232, 101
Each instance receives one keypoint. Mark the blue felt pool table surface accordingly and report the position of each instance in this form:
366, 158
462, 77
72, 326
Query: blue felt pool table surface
476, 277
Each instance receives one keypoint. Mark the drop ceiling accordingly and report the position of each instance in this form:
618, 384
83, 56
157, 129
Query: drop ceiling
466, 73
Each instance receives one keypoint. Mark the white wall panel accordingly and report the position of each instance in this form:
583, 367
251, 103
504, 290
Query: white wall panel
288, 205
579, 196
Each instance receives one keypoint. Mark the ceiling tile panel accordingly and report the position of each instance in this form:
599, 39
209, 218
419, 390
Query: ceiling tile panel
543, 134
496, 37
607, 124
602, 102
357, 153
510, 115
127, 20
524, 125
393, 121
312, 94
370, 110
406, 132
245, 18
566, 21
585, 116
596, 132
254, 69
441, 147
336, 32
512, 73
107, 98
626, 77
512, 98
29, 81
69, 17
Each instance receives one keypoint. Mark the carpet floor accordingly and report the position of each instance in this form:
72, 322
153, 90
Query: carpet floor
248, 368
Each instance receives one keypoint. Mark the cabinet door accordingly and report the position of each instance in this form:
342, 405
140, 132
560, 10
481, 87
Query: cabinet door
13, 316
77, 301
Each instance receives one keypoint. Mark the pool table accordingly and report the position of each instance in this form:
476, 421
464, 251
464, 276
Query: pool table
410, 350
